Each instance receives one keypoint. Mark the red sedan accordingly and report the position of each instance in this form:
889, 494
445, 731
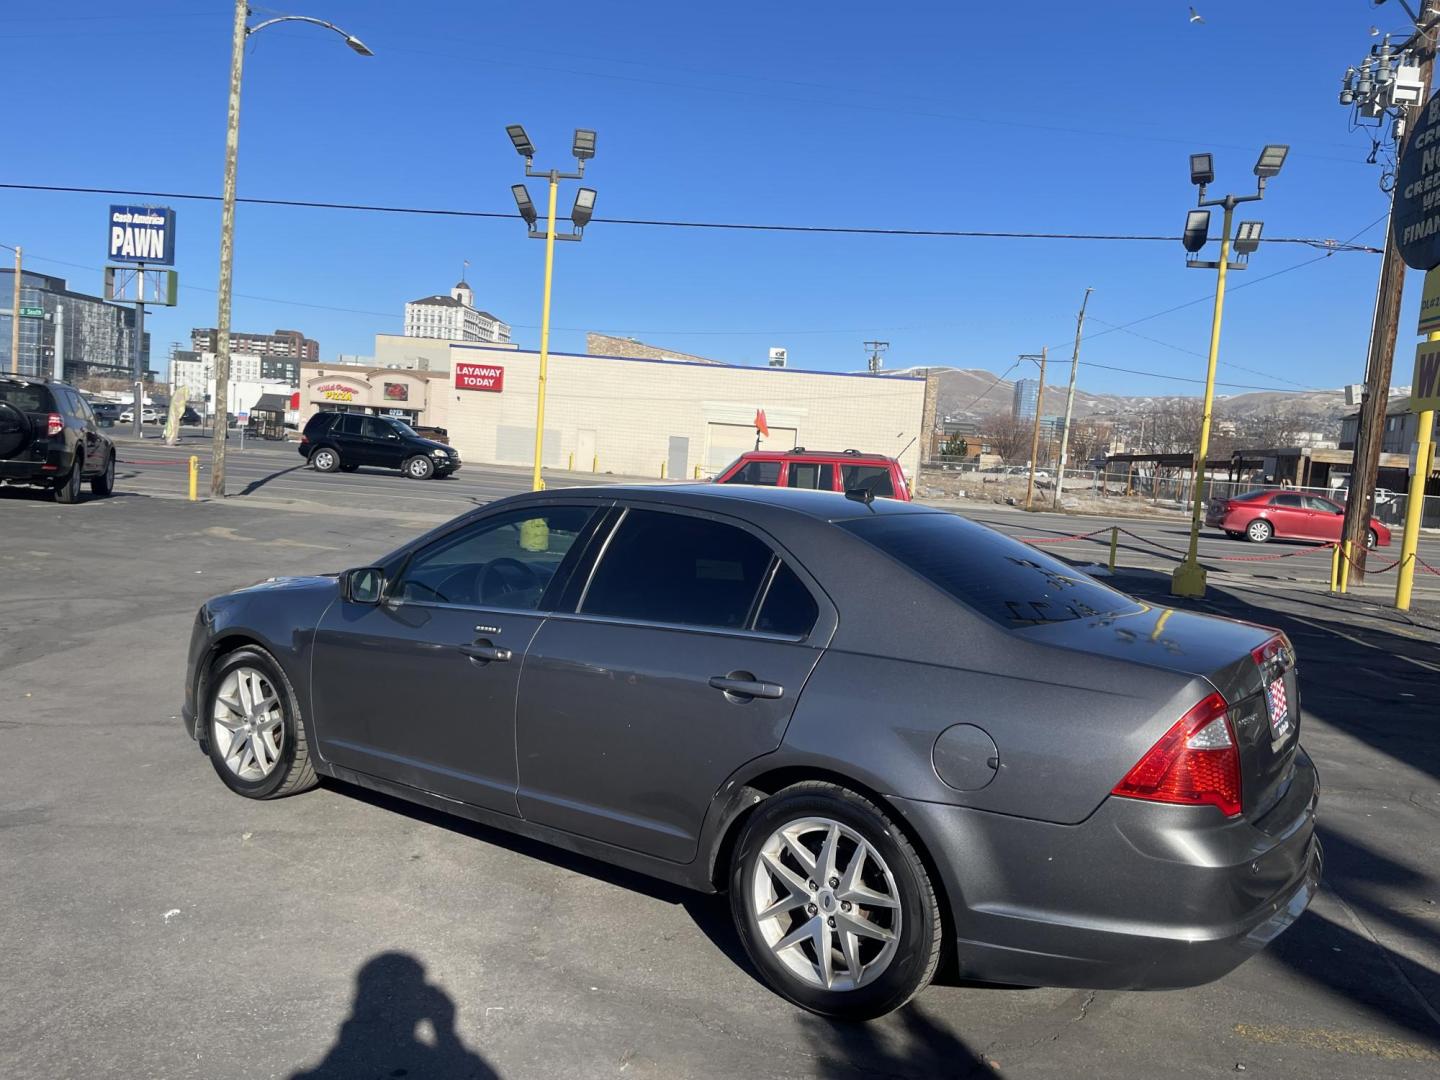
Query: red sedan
1288, 515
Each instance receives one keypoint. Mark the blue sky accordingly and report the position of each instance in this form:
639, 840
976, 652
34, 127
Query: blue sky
1052, 117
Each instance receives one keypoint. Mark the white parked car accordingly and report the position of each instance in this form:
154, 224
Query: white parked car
147, 415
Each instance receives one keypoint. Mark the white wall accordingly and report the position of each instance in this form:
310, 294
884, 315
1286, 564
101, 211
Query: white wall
634, 407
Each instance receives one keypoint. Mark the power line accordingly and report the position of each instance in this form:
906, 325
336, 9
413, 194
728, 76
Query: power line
849, 230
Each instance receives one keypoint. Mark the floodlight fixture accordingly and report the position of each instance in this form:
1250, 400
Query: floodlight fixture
1247, 237
1202, 169
1271, 160
584, 145
1197, 230
358, 45
584, 207
523, 146
522, 201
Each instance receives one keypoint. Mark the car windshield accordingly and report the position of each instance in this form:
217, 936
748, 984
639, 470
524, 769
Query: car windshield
1001, 578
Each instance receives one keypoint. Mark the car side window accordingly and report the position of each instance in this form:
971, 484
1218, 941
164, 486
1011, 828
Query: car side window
1323, 506
673, 568
373, 428
349, 424
1289, 502
808, 474
873, 478
502, 562
788, 607
766, 473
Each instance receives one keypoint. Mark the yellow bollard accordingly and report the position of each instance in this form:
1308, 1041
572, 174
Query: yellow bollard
595, 463
1334, 567
662, 470
194, 475
697, 472
571, 466
1114, 544
1344, 565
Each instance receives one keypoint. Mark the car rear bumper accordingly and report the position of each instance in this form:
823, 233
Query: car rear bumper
44, 468
1139, 896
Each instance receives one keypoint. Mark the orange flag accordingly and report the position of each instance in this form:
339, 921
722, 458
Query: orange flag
760, 425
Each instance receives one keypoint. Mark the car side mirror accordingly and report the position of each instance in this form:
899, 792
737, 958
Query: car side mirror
365, 585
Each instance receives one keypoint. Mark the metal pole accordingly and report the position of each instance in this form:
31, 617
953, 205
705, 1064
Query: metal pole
1070, 399
138, 420
59, 342
1035, 435
15, 319
1189, 577
536, 483
227, 254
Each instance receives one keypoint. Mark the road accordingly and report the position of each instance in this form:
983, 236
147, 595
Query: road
156, 925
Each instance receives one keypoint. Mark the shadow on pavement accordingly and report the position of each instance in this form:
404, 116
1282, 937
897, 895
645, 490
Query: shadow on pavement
258, 483
905, 1044
382, 1036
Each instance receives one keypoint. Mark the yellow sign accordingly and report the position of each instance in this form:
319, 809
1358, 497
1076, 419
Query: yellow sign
1430, 304
1425, 383
339, 395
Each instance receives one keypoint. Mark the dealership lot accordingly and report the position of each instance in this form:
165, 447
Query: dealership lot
159, 926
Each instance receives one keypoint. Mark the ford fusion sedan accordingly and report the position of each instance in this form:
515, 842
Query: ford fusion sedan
1263, 515
890, 734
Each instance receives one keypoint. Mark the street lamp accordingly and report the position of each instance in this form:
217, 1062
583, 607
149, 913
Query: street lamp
227, 219
1189, 577
583, 149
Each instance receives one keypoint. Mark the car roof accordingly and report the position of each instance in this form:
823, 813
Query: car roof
800, 451
732, 498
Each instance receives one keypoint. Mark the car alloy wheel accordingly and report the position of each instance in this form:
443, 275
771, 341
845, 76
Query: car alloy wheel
1259, 531
419, 468
1371, 539
826, 904
248, 723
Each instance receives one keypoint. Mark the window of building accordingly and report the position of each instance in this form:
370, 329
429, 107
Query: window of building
672, 568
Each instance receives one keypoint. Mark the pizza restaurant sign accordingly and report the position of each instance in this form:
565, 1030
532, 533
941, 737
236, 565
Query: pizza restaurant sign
336, 391
479, 377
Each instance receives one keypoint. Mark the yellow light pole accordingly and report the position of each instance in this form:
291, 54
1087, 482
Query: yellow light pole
583, 148
1189, 577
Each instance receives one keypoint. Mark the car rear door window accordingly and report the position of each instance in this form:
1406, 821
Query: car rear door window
757, 472
788, 607
349, 424
809, 474
1002, 579
872, 478
678, 569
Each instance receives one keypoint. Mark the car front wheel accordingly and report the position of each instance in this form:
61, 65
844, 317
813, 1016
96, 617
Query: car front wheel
325, 459
419, 468
833, 904
255, 734
1259, 531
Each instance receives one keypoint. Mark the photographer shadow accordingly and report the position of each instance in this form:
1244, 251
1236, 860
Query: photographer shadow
382, 1035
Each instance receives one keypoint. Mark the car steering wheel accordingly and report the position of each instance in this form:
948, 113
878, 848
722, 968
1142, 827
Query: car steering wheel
504, 577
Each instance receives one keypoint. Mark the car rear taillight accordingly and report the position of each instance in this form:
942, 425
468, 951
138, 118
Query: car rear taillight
1276, 651
1196, 763
304, 439
54, 424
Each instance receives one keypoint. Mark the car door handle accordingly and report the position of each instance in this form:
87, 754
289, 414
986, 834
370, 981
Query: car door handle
747, 688
486, 653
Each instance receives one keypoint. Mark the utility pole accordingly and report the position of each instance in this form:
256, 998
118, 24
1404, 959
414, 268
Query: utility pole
1070, 399
220, 430
876, 348
15, 319
1369, 434
1035, 435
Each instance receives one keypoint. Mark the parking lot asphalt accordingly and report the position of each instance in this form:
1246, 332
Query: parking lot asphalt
157, 925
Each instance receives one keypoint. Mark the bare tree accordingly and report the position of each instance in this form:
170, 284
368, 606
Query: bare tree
1009, 437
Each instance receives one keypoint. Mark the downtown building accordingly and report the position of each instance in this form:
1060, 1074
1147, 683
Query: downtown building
454, 317
281, 353
66, 334
1026, 401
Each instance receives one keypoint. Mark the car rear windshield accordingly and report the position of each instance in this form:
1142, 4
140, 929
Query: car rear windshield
27, 397
1000, 578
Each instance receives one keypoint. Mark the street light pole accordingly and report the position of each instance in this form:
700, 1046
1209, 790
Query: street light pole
537, 483
220, 429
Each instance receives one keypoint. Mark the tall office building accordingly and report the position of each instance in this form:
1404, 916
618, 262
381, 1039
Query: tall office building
282, 344
1027, 399
95, 337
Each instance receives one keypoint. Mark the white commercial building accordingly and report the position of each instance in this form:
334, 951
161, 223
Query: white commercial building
196, 371
453, 318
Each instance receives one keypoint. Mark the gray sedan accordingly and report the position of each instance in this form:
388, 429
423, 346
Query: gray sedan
895, 737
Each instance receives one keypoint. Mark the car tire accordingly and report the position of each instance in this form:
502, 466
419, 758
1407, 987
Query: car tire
1372, 540
1259, 531
895, 955
260, 751
68, 490
104, 484
325, 459
419, 467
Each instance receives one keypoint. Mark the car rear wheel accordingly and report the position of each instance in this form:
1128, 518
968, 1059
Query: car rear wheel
68, 490
255, 735
419, 467
104, 484
325, 459
1259, 531
833, 904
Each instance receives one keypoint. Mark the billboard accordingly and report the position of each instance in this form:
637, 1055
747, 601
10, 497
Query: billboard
142, 234
479, 377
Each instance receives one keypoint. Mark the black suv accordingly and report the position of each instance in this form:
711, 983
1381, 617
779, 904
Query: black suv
49, 438
345, 441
